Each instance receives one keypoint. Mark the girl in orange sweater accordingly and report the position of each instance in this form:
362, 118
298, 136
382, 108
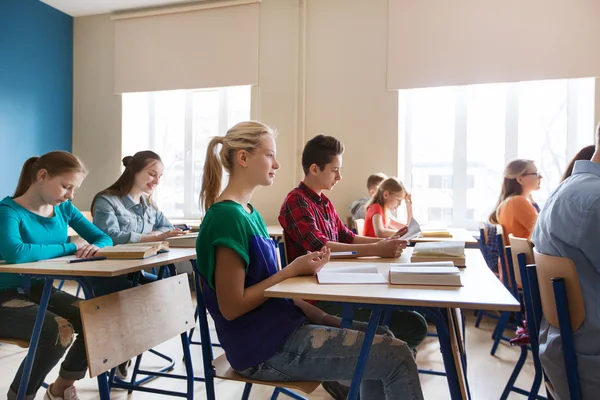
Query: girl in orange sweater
515, 210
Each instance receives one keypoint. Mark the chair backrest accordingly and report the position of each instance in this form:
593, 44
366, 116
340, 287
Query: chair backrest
501, 241
359, 225
520, 246
549, 267
122, 325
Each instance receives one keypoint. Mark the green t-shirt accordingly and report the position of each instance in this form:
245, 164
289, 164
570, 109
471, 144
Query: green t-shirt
257, 335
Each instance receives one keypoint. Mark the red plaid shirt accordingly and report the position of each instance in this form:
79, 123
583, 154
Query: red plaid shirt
309, 221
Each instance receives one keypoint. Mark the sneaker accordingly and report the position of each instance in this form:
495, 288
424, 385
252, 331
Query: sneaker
122, 370
69, 394
336, 390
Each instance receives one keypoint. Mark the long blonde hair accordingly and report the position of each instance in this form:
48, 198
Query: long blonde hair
247, 136
55, 163
510, 184
390, 185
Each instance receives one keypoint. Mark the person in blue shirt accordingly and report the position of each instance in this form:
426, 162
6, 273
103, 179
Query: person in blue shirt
269, 338
569, 226
125, 210
33, 227
126, 213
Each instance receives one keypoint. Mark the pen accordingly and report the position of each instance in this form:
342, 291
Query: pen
343, 253
78, 260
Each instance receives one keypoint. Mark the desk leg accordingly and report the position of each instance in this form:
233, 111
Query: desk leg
441, 318
35, 338
347, 315
364, 353
103, 388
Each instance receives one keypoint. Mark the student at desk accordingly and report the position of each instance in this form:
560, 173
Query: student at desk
515, 210
267, 338
569, 226
33, 227
358, 207
310, 222
379, 221
125, 210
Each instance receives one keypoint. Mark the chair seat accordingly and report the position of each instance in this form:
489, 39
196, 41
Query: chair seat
21, 343
224, 371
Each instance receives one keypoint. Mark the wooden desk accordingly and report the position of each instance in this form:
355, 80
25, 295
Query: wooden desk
102, 268
481, 290
458, 234
50, 270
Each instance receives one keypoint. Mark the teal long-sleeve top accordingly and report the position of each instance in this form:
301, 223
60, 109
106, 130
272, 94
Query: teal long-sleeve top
28, 237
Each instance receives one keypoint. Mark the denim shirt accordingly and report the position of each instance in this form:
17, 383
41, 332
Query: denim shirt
126, 221
569, 226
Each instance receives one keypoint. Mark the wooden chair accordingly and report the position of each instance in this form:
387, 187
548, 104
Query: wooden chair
219, 367
557, 297
154, 313
359, 225
521, 251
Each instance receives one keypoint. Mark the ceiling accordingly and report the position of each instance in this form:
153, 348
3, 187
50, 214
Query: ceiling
79, 8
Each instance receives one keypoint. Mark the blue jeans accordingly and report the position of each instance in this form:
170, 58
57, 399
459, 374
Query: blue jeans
323, 353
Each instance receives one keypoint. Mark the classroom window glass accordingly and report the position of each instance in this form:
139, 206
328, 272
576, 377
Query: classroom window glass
459, 139
178, 126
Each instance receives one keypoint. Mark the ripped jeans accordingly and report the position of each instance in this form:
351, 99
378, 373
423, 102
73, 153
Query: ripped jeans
62, 320
323, 353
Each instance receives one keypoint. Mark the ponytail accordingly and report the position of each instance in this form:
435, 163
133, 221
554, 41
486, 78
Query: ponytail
55, 163
247, 136
27, 176
213, 175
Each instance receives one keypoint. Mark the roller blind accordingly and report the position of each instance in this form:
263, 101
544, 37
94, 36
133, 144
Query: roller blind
187, 49
457, 42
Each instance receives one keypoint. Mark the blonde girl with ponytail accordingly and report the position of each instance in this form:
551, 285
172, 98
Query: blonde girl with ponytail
269, 338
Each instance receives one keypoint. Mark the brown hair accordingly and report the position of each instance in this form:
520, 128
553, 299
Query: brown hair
390, 185
133, 165
55, 163
510, 185
584, 154
320, 150
374, 180
247, 136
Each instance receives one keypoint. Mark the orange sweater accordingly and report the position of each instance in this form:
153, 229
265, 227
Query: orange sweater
517, 216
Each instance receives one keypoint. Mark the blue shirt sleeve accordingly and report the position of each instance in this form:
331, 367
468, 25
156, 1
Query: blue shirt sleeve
162, 223
86, 229
105, 218
15, 251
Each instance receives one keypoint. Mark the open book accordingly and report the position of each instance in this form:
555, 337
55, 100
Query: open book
134, 250
440, 251
414, 230
425, 274
355, 274
187, 240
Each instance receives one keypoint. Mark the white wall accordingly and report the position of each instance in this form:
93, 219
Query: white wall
322, 70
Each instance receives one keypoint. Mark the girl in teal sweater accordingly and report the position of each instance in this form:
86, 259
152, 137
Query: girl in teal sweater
33, 227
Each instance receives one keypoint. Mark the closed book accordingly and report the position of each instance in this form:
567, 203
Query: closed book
132, 251
187, 241
458, 261
424, 275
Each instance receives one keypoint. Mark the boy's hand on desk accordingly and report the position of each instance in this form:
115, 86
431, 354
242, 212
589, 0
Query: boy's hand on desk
310, 263
391, 247
86, 250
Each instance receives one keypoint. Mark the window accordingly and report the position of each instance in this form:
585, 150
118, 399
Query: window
457, 140
178, 126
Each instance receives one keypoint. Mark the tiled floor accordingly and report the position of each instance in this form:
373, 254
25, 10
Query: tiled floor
487, 374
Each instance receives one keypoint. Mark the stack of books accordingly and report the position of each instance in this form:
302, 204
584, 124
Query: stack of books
440, 251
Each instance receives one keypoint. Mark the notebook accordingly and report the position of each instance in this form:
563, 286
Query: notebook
426, 275
355, 274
